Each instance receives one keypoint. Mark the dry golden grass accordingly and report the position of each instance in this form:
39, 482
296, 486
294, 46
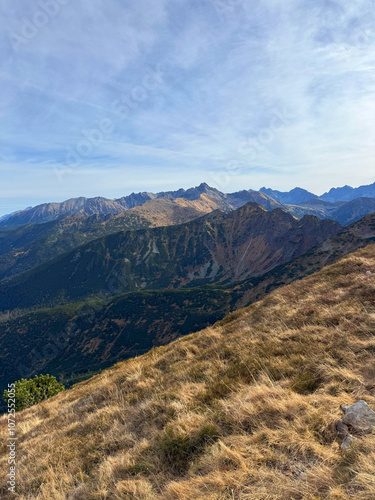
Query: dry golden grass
243, 410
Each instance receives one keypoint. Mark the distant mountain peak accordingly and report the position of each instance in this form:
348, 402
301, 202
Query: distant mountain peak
295, 196
203, 188
299, 190
348, 193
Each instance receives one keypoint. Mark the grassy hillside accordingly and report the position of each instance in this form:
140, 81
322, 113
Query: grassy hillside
242, 410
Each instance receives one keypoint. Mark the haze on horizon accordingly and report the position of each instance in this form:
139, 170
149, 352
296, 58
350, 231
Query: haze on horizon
106, 98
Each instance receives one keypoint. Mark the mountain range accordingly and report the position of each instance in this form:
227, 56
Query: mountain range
297, 201
216, 248
25, 247
347, 193
127, 277
76, 222
298, 195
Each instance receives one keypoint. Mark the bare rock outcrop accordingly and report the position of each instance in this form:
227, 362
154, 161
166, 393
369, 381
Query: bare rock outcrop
358, 419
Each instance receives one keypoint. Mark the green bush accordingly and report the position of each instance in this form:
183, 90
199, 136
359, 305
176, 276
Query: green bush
33, 391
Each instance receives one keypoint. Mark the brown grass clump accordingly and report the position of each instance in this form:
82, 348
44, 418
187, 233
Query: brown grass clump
243, 410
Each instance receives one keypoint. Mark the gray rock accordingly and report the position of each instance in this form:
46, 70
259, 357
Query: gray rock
341, 429
359, 417
343, 434
347, 442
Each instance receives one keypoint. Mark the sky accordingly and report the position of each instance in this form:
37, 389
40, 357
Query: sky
109, 97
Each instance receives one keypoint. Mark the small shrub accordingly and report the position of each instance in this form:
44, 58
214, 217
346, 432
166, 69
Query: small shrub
33, 391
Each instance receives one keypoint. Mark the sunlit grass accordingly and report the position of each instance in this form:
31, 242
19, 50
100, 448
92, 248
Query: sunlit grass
242, 410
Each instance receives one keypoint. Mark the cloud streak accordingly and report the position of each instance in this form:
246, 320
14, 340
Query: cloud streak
228, 68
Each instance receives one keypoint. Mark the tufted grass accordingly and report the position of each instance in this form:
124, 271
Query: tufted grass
242, 410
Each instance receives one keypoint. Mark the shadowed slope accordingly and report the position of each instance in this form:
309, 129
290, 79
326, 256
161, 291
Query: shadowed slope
217, 248
349, 239
29, 246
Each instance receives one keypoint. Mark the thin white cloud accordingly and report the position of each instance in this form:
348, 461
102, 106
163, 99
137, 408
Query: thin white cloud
282, 90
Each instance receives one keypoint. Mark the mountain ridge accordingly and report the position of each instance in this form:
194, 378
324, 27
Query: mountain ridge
267, 197
347, 193
214, 248
295, 196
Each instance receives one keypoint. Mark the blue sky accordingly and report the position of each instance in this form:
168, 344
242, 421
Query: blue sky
106, 97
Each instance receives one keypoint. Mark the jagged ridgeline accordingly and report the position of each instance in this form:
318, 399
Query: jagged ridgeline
25, 247
31, 237
333, 204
